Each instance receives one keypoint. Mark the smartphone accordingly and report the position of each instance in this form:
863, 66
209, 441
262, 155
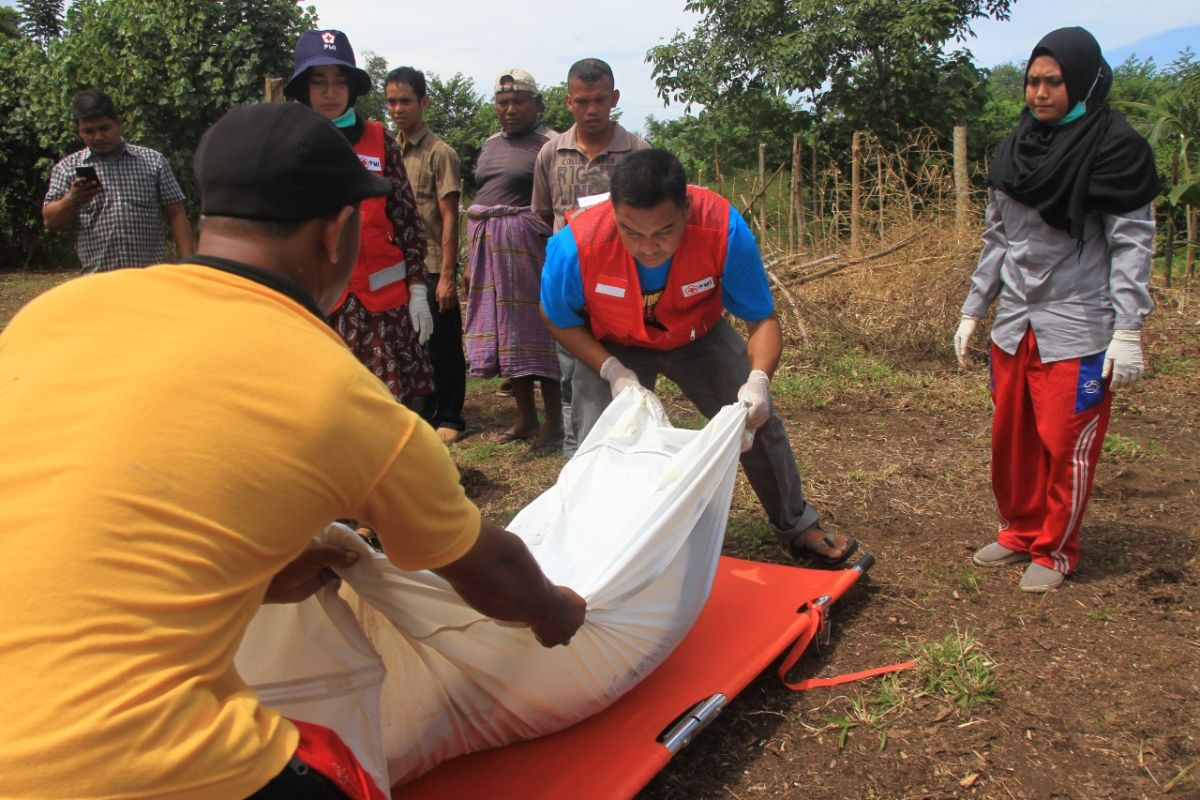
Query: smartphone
87, 173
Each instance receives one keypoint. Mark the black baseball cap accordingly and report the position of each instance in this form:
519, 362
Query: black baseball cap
280, 161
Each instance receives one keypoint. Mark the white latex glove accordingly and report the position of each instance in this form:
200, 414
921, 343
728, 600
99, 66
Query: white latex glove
418, 311
962, 338
1123, 360
618, 375
756, 394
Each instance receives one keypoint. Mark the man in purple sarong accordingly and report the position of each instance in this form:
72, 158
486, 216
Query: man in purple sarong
506, 245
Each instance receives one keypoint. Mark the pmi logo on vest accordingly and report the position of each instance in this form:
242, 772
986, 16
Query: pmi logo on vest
371, 162
693, 289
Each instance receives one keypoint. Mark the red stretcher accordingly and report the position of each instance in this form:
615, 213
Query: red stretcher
754, 613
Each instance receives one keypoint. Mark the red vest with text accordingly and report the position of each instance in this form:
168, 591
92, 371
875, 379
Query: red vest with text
690, 304
380, 276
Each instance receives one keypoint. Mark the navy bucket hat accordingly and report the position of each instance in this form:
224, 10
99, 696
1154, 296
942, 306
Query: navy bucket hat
318, 48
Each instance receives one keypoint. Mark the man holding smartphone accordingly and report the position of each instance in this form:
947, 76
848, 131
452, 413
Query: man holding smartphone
114, 191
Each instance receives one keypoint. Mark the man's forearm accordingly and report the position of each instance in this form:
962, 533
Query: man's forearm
450, 241
764, 345
181, 232
501, 579
449, 264
60, 214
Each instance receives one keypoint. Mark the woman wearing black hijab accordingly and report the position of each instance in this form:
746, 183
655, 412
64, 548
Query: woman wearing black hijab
1068, 242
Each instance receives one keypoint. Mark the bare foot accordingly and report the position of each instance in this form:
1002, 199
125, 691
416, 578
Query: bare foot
517, 433
548, 442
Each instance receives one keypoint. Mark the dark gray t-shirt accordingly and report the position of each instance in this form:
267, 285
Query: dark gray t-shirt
504, 172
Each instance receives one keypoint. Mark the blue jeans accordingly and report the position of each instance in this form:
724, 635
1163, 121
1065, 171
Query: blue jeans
571, 436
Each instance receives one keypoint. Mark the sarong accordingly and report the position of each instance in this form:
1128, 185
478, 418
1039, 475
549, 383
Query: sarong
504, 332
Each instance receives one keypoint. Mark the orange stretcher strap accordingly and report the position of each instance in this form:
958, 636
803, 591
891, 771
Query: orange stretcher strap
816, 619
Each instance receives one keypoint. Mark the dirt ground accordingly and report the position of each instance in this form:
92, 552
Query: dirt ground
1097, 684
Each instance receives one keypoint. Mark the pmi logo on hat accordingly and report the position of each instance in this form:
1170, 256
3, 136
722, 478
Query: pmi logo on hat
329, 39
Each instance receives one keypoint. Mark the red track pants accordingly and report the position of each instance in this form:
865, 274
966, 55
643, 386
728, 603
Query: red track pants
1047, 432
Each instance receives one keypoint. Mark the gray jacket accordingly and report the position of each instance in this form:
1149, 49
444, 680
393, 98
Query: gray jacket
1073, 298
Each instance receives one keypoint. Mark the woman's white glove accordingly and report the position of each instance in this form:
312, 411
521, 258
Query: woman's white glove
1123, 360
962, 339
618, 375
418, 311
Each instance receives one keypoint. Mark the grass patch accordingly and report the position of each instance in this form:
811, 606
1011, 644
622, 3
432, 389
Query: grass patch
1127, 449
482, 453
1166, 366
838, 373
18, 288
870, 711
485, 385
956, 670
962, 577
751, 537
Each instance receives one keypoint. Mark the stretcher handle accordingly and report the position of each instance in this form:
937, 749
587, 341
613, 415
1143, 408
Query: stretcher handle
696, 719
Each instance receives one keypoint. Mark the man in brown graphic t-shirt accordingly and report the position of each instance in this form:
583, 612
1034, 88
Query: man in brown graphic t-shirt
576, 165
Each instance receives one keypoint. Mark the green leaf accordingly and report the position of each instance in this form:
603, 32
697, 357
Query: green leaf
1185, 194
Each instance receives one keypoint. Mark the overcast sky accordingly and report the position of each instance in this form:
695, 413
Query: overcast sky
481, 37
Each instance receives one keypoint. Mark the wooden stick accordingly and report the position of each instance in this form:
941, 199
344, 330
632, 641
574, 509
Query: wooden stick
852, 262
273, 90
759, 193
801, 326
818, 262
856, 193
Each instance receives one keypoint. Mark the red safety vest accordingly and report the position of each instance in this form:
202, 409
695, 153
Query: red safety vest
691, 301
380, 276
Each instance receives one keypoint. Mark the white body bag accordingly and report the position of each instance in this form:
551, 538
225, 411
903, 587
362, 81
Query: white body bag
409, 675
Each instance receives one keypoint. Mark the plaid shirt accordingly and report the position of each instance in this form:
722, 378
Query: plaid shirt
122, 225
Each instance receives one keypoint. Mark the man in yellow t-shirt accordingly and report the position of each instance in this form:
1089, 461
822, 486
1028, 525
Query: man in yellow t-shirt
173, 438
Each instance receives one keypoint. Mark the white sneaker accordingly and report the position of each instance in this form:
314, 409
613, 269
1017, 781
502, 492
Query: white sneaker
997, 555
1041, 579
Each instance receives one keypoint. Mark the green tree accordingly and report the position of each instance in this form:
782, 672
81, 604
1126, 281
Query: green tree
1171, 123
24, 162
733, 131
869, 63
557, 115
41, 20
998, 118
173, 69
374, 104
10, 23
462, 117
1137, 81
